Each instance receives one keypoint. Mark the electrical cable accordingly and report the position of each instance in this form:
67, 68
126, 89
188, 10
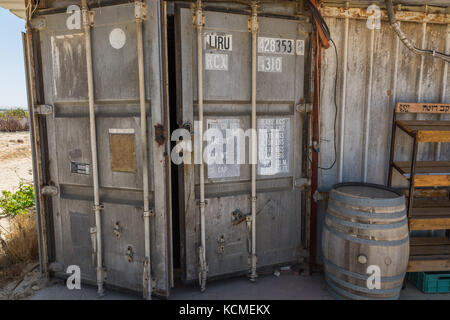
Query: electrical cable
317, 16
335, 108
394, 24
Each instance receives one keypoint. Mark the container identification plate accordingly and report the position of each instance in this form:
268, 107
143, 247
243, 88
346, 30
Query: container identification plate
79, 168
275, 45
216, 61
273, 145
215, 41
270, 64
222, 149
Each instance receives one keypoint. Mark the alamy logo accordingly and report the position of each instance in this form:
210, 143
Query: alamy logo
374, 20
74, 280
374, 280
74, 20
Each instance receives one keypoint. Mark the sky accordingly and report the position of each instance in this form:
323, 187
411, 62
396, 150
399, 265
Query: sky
12, 72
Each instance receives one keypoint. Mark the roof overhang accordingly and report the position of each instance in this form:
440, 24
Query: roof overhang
17, 7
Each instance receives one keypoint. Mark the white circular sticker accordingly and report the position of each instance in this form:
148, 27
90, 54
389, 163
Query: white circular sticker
117, 38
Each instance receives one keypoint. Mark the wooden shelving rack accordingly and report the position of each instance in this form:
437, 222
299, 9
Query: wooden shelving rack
426, 253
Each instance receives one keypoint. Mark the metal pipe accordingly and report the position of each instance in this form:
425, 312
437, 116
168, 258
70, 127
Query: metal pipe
202, 249
254, 31
147, 277
93, 138
392, 103
27, 47
394, 24
422, 63
343, 103
437, 154
368, 105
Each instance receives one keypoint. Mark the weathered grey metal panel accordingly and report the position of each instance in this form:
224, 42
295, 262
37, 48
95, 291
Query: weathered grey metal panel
227, 95
117, 110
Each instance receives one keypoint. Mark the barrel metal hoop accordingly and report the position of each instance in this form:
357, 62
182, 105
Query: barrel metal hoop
354, 296
355, 200
363, 289
364, 214
384, 243
367, 226
361, 276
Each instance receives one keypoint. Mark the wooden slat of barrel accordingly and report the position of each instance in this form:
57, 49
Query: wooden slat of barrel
365, 225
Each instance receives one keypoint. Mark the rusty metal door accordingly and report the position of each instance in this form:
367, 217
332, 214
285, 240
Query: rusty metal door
282, 48
60, 50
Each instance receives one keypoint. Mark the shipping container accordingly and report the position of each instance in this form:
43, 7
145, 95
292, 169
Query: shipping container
282, 55
67, 133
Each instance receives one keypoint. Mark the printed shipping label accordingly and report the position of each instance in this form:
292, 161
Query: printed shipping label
273, 145
222, 42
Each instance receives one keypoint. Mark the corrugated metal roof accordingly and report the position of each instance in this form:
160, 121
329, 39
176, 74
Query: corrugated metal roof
15, 6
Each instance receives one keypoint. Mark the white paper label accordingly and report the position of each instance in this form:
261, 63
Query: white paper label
275, 45
222, 148
121, 131
270, 64
216, 61
273, 145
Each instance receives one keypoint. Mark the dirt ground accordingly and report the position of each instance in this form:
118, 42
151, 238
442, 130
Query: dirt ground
15, 160
16, 167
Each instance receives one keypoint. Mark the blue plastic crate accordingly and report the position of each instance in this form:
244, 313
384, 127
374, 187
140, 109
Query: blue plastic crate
431, 282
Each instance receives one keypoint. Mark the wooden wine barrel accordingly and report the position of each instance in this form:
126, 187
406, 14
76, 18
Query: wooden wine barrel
365, 226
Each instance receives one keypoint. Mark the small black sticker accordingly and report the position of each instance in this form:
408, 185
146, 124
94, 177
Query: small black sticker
79, 168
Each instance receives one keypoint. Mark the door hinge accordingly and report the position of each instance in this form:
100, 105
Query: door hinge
302, 182
49, 191
38, 24
43, 109
140, 10
304, 107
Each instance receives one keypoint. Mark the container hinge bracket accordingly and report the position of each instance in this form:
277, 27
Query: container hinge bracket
304, 107
38, 24
198, 17
93, 234
253, 25
43, 109
140, 10
317, 196
202, 204
99, 207
149, 213
88, 17
50, 191
302, 182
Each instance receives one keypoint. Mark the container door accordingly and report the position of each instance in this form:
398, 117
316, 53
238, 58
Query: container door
64, 83
227, 105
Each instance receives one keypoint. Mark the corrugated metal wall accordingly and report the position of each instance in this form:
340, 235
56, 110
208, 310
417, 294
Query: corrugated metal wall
397, 75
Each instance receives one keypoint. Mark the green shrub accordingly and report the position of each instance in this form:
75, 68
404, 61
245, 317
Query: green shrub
14, 120
17, 202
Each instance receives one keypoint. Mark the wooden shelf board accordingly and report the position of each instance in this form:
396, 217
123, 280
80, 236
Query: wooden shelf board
428, 241
429, 254
427, 130
428, 173
419, 264
429, 223
430, 215
431, 203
